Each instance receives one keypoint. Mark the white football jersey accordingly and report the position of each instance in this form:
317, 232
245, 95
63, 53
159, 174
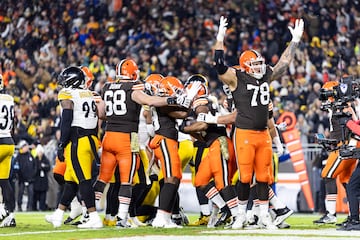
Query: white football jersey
6, 115
84, 115
144, 136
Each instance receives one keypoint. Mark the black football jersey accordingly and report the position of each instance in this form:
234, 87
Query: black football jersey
164, 124
251, 98
122, 113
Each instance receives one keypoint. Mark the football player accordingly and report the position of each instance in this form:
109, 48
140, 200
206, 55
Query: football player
219, 162
78, 144
7, 149
165, 147
251, 95
123, 99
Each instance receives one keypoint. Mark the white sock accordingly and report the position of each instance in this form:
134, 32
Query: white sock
58, 211
330, 203
218, 200
264, 208
276, 202
204, 208
242, 207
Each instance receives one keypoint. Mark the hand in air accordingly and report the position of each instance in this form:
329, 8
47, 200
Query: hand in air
297, 31
222, 29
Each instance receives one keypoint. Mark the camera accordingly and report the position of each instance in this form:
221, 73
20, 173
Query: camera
345, 91
327, 143
349, 152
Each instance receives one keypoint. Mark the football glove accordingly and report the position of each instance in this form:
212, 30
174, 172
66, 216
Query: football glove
297, 31
282, 126
227, 91
222, 29
186, 99
183, 101
148, 89
279, 146
60, 152
207, 117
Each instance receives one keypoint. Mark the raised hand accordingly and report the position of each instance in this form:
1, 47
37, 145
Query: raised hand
222, 29
297, 31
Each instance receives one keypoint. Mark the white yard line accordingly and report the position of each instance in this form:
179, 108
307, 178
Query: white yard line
283, 234
46, 232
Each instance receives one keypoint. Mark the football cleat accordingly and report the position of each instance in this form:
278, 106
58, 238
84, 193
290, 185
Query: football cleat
68, 221
240, 221
326, 219
93, 221
161, 221
83, 219
223, 218
283, 225
252, 222
266, 222
110, 221
3, 212
122, 223
184, 218
8, 221
180, 219
136, 222
56, 218
281, 215
202, 221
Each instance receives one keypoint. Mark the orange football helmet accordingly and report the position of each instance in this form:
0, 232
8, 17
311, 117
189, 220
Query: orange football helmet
127, 69
204, 84
253, 63
154, 80
170, 86
89, 76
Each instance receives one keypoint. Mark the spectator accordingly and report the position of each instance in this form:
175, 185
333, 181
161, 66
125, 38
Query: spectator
41, 179
25, 174
303, 128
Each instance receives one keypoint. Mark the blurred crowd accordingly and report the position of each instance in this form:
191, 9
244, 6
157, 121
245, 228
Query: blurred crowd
39, 38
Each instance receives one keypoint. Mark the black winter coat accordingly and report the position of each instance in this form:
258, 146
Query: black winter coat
27, 167
41, 182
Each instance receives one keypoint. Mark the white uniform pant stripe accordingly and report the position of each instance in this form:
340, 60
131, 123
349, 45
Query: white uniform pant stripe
167, 159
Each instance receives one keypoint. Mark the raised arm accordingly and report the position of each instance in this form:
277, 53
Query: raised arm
226, 75
288, 55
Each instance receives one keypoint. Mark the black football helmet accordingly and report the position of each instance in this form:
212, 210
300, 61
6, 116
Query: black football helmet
203, 91
72, 77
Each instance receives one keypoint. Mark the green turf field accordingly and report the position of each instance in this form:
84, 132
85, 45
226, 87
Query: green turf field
31, 225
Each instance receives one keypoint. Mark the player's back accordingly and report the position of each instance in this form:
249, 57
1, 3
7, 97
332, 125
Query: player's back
84, 107
6, 115
122, 113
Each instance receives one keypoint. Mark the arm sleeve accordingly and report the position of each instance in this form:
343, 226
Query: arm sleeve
65, 126
220, 62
